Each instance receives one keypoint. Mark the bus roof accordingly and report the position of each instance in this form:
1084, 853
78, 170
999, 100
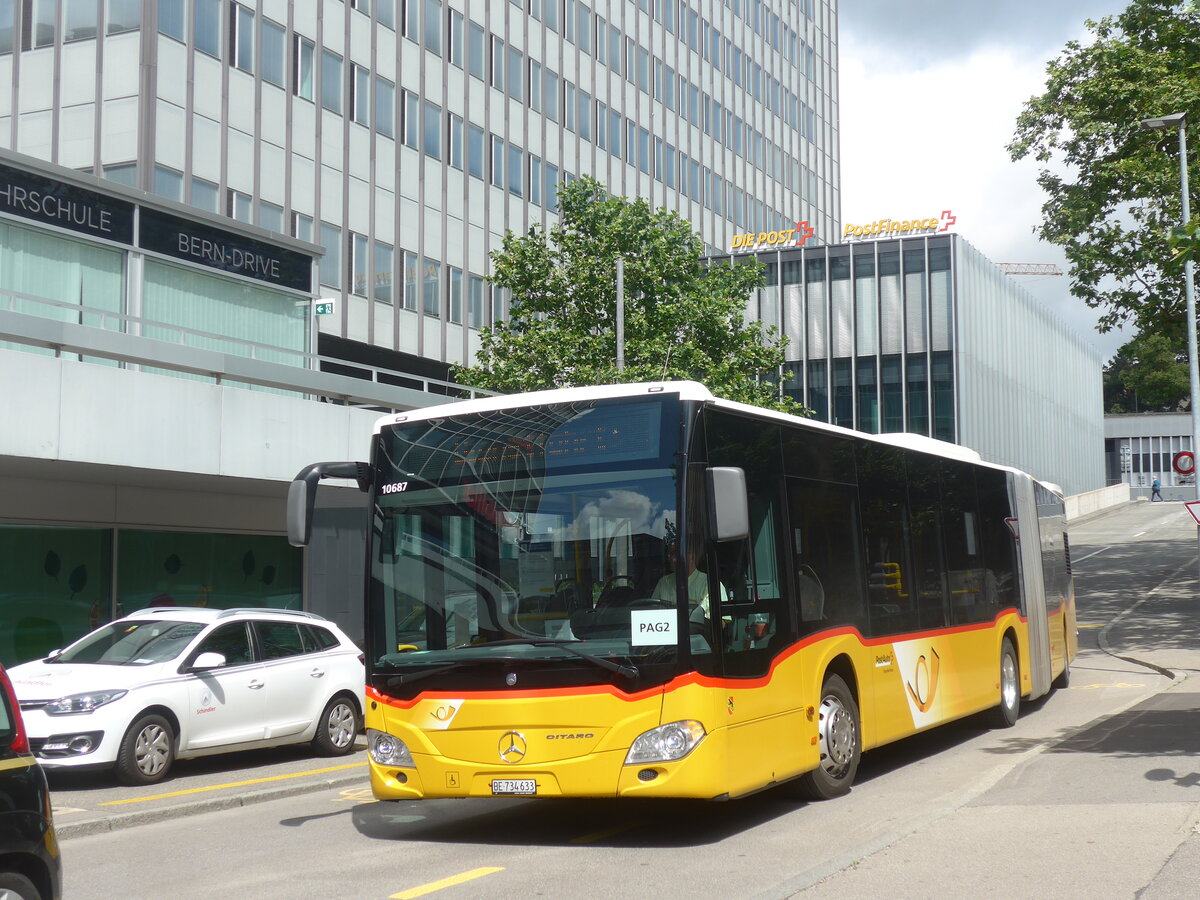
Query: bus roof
687, 390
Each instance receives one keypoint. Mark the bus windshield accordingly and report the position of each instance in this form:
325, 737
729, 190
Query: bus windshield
538, 534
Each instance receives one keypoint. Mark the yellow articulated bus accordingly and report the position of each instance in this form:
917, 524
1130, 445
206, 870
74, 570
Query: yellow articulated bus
641, 590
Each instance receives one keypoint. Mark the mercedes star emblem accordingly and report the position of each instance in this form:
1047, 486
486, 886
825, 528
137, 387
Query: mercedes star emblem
512, 747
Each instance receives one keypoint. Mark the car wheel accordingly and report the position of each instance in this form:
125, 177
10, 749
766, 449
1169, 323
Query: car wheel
1005, 715
15, 886
337, 728
146, 751
840, 741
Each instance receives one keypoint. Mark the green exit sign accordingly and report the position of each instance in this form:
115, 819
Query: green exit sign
323, 308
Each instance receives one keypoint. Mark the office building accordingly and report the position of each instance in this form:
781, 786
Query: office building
923, 334
371, 153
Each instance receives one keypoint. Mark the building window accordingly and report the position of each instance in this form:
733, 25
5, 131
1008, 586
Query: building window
411, 126
535, 179
206, 26
455, 50
241, 37
359, 263
535, 86
412, 14
171, 19
385, 101
431, 273
382, 276
433, 26
302, 227
80, 20
550, 99
583, 114
331, 81
496, 69
270, 216
385, 12
455, 288
302, 73
360, 95
476, 41
331, 263
497, 161
410, 281
455, 141
476, 144
516, 68
204, 194
515, 161
476, 291
433, 130
123, 173
168, 183
238, 206
551, 190
38, 23
274, 52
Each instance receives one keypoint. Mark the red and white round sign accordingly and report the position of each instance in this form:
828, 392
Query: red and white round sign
1184, 462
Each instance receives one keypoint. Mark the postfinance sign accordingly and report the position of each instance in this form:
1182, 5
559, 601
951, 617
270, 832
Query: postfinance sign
897, 227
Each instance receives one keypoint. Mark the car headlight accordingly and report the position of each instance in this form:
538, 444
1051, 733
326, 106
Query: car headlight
674, 740
81, 703
388, 750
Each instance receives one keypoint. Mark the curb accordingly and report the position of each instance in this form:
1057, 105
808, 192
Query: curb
128, 820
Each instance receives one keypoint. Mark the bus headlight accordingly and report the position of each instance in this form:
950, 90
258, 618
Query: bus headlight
388, 750
665, 743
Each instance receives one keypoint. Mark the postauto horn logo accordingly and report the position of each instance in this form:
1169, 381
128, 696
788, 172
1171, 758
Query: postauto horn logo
894, 227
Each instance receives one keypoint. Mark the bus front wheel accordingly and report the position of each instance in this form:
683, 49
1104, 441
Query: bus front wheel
840, 742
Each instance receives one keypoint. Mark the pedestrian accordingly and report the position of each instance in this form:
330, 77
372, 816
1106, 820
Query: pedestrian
1155, 493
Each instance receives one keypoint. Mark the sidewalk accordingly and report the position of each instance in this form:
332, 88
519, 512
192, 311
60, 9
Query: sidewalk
91, 802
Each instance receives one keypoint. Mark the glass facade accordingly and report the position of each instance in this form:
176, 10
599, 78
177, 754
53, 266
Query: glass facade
59, 583
925, 335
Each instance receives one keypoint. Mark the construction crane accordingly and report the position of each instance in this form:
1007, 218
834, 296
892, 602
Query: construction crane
1029, 269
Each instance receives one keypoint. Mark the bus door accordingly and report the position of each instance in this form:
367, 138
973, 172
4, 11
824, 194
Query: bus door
1033, 588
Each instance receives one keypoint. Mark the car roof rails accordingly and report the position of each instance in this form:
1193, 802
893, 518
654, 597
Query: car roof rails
165, 609
304, 614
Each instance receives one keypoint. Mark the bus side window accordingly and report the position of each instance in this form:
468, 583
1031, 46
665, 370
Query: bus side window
826, 555
883, 488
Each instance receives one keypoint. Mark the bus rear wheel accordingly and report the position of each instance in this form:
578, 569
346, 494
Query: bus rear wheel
840, 741
1005, 714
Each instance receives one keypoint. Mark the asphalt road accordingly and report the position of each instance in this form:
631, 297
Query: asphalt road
1094, 793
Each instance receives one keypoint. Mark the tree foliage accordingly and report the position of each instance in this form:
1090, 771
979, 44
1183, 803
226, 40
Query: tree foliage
1148, 374
1114, 188
683, 318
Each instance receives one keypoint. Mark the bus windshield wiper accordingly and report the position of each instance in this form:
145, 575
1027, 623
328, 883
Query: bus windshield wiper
630, 672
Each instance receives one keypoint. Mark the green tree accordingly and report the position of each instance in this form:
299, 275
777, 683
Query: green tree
1148, 374
684, 318
1113, 188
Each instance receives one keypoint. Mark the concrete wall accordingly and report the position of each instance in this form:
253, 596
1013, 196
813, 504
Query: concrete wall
1094, 501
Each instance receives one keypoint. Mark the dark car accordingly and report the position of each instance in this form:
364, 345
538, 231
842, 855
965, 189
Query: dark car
30, 866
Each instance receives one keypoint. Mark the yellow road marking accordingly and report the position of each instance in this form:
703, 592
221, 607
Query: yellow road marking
600, 835
1096, 687
356, 795
232, 784
445, 883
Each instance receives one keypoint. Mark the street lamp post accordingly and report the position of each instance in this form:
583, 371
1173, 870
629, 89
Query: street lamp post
1179, 121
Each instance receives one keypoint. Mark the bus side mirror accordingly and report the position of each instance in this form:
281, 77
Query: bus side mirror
302, 494
728, 509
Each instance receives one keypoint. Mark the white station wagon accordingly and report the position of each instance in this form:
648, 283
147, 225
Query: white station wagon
170, 683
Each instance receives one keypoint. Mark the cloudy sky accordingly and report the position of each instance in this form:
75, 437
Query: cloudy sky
930, 93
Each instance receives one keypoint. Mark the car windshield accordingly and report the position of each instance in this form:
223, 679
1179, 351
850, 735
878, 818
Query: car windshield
537, 533
132, 643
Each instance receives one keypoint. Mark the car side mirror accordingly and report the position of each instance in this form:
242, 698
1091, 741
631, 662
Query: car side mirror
207, 661
53, 654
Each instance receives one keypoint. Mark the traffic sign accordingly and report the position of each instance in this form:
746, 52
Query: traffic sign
323, 308
1184, 462
1193, 506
